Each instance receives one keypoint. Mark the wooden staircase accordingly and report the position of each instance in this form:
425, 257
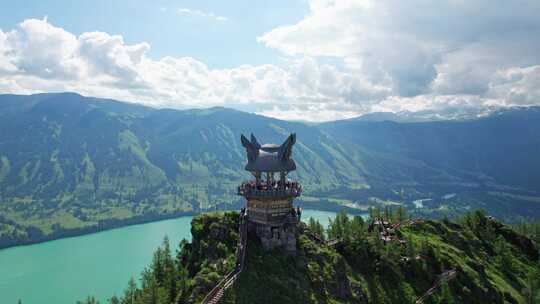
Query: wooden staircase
215, 295
318, 239
444, 277
333, 242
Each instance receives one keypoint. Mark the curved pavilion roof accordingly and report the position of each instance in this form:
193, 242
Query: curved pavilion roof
269, 157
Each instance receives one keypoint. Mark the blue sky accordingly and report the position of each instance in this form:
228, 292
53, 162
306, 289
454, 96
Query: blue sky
169, 32
314, 60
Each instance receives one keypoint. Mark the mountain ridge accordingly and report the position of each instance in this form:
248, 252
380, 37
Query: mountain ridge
72, 163
453, 114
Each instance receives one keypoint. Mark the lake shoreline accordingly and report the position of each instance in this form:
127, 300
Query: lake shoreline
108, 259
112, 224
104, 226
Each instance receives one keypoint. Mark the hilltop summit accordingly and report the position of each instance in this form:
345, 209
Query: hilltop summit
474, 260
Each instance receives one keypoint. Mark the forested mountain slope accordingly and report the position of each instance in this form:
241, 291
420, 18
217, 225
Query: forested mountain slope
70, 164
499, 150
490, 162
482, 261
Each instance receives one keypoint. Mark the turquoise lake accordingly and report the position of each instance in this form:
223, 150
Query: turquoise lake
100, 264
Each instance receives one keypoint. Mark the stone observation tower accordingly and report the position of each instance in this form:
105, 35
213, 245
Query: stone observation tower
270, 212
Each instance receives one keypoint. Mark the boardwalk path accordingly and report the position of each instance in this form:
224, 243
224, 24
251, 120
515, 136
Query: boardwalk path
444, 277
215, 295
319, 240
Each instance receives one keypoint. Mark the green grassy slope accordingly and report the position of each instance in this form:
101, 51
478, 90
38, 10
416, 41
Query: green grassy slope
71, 164
494, 264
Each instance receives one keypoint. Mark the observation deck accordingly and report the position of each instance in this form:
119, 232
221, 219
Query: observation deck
275, 190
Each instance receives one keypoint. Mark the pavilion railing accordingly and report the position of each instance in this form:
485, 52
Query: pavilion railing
250, 189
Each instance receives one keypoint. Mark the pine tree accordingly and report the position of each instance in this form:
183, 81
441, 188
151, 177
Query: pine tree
181, 254
357, 227
312, 224
158, 267
114, 300
378, 244
374, 213
446, 294
532, 285
182, 284
152, 293
411, 249
316, 227
392, 251
340, 227
130, 292
346, 224
371, 212
401, 214
169, 280
89, 300
504, 254
386, 214
426, 250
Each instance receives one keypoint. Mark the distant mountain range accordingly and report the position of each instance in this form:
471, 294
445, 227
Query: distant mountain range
70, 164
431, 115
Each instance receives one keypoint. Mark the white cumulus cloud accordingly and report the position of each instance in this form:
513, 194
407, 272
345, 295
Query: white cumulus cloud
199, 13
36, 56
425, 49
343, 59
